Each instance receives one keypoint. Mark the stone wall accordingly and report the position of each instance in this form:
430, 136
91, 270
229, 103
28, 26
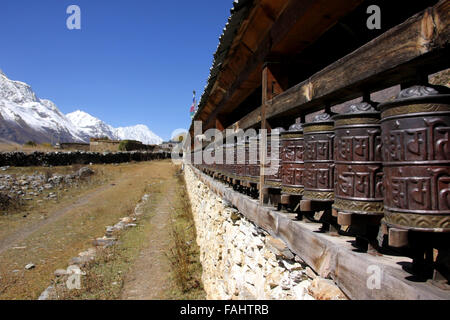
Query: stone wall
74, 146
241, 260
98, 145
22, 159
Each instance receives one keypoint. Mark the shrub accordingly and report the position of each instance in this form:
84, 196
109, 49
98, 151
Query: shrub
8, 202
30, 144
46, 145
128, 145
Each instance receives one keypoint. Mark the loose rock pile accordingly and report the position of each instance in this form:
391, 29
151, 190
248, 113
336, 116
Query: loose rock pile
242, 261
84, 258
27, 187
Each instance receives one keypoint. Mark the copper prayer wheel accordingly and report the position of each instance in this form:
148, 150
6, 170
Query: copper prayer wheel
219, 156
273, 167
292, 164
416, 160
357, 157
252, 154
229, 166
318, 158
240, 161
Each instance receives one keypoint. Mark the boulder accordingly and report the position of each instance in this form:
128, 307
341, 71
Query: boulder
324, 289
279, 248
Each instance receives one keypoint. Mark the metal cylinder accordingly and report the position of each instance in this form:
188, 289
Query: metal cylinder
240, 161
229, 166
357, 156
273, 168
253, 167
318, 158
416, 160
292, 164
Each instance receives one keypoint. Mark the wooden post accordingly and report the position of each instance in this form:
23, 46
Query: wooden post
219, 125
274, 82
263, 141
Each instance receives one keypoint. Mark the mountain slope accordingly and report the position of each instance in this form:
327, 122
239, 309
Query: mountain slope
138, 132
89, 126
25, 117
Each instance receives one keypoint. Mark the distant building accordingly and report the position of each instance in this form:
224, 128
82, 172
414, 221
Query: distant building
106, 145
168, 145
73, 146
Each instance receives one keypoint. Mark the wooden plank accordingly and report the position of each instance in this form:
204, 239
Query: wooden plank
393, 58
263, 142
331, 256
287, 20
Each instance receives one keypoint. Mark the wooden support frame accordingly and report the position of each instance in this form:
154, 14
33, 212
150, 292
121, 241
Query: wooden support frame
331, 256
263, 140
418, 44
273, 83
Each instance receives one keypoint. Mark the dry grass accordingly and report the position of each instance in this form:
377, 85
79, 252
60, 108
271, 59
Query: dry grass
52, 246
184, 253
106, 275
11, 146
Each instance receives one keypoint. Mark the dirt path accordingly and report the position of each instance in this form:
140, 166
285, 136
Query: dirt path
25, 231
149, 278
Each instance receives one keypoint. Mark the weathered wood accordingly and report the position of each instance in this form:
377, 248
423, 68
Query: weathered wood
398, 237
326, 15
419, 43
262, 141
332, 256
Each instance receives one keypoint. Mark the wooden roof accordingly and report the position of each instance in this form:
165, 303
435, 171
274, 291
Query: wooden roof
255, 31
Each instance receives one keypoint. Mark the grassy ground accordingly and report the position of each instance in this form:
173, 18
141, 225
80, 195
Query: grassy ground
51, 247
11, 146
106, 276
184, 253
109, 196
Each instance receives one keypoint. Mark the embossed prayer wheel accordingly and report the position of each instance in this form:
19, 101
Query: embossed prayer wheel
357, 157
240, 162
416, 160
318, 158
209, 152
273, 168
292, 164
229, 165
253, 167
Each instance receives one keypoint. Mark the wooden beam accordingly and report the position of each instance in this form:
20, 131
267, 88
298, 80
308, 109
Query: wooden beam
326, 17
263, 139
219, 125
419, 43
330, 256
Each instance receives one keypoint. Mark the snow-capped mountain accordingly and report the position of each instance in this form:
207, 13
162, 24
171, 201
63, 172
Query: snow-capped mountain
25, 117
138, 132
89, 126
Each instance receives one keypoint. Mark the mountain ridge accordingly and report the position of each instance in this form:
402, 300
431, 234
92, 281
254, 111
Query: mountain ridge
25, 117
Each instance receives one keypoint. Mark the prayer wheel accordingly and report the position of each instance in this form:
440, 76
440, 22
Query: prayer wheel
273, 168
318, 158
358, 167
416, 160
292, 164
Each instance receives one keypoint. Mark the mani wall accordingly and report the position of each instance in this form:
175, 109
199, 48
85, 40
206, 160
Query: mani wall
22, 159
242, 261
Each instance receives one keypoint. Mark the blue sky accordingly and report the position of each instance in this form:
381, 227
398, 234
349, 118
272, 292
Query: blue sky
133, 61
